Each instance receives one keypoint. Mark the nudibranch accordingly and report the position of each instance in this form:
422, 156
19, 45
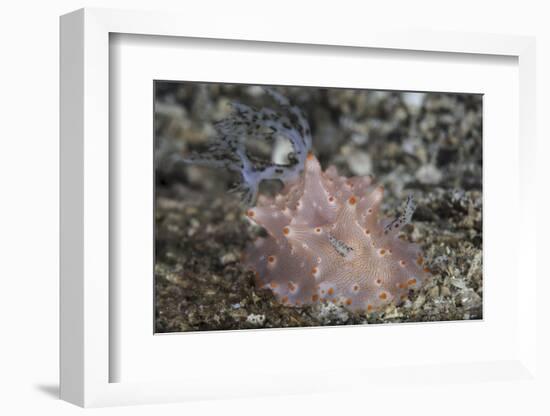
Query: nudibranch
325, 241
229, 150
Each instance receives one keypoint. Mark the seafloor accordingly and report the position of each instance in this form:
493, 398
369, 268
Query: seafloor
428, 145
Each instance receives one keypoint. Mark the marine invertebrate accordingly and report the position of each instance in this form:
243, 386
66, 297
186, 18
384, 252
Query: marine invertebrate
229, 151
325, 242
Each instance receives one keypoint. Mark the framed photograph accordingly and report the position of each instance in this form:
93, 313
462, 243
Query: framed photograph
296, 209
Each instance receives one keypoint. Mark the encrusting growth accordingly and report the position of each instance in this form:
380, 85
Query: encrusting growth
325, 241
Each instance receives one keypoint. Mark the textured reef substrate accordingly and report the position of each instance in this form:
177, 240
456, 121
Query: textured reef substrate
428, 145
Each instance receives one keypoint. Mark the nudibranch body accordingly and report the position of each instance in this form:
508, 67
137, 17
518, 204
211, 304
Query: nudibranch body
325, 242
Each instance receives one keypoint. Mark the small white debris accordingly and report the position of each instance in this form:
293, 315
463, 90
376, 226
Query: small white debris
429, 175
170, 110
228, 258
470, 299
255, 319
419, 301
359, 139
255, 91
413, 100
391, 312
360, 163
328, 312
445, 291
281, 150
475, 268
434, 292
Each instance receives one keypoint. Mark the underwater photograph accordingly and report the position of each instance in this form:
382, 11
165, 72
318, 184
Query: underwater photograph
288, 206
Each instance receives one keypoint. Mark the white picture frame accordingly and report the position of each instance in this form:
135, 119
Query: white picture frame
86, 355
